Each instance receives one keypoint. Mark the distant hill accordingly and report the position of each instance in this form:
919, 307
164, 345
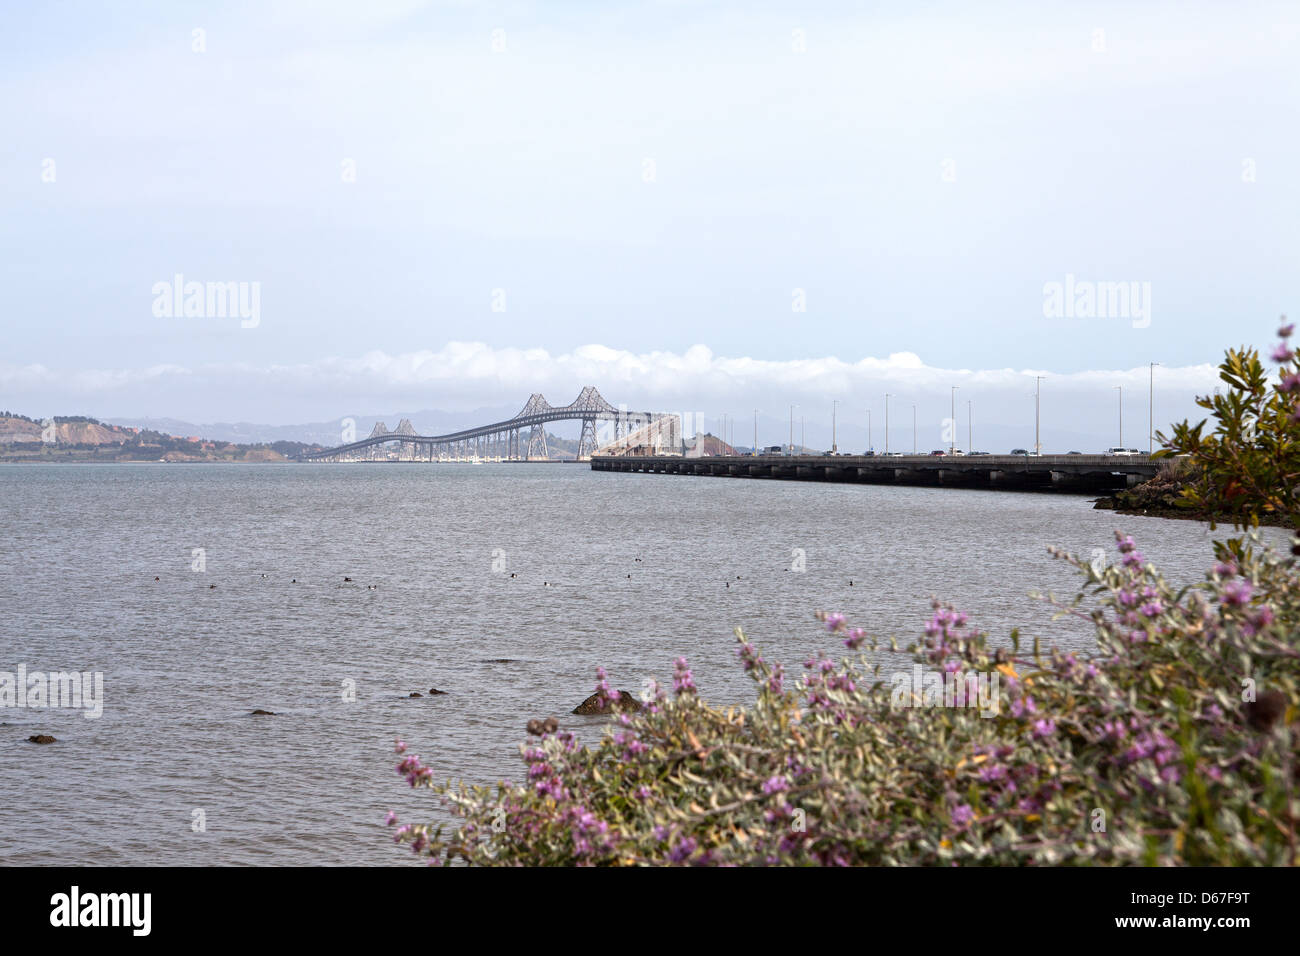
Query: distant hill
326, 434
77, 438
707, 444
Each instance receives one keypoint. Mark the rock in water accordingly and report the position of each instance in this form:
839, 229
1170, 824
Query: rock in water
434, 692
263, 713
414, 694
41, 739
625, 702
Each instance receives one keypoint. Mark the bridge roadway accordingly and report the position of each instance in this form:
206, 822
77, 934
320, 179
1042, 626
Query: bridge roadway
1065, 473
505, 439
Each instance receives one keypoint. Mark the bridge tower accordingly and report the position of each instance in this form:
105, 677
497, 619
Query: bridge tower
537, 442
587, 440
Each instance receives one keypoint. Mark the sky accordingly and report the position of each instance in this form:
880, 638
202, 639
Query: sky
717, 207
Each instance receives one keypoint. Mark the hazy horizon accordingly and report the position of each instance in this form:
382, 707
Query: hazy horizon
735, 207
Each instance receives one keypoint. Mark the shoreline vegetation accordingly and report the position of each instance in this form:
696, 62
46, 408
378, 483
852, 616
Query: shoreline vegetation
1176, 743
1164, 496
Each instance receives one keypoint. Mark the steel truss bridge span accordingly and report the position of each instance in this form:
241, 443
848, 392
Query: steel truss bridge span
507, 439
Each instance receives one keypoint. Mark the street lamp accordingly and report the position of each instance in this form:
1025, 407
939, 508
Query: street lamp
1120, 389
970, 428
834, 446
1038, 386
1151, 405
886, 423
791, 446
914, 428
952, 412
754, 450
870, 446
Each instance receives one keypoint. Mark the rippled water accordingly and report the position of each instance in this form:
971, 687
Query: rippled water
625, 570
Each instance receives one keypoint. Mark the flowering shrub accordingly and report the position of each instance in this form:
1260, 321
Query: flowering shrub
1170, 745
1248, 467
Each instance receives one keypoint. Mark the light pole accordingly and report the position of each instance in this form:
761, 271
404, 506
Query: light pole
754, 450
952, 412
1120, 389
870, 446
834, 446
1151, 407
886, 423
914, 428
803, 436
970, 428
1038, 386
791, 445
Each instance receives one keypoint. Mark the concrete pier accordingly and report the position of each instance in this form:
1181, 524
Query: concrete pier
1077, 474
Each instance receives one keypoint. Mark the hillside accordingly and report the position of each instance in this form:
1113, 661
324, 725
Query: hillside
77, 438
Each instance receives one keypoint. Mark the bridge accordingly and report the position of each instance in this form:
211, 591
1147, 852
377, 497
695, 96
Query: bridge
1077, 473
506, 441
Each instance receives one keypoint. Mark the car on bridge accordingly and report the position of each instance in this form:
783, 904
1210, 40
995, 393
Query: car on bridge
1020, 451
938, 453
1118, 452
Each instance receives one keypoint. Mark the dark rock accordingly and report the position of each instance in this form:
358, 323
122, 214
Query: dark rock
41, 739
592, 705
539, 727
434, 692
414, 694
264, 713
1266, 710
500, 660
1104, 503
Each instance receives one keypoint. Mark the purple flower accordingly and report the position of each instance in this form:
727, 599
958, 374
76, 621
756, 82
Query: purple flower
1237, 593
1023, 706
683, 850
1044, 728
962, 816
682, 680
776, 683
775, 785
